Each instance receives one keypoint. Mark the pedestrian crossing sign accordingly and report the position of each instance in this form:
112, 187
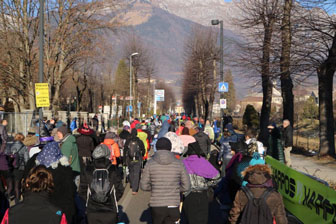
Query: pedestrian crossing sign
223, 87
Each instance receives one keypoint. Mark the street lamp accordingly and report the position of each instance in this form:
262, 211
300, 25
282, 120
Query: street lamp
68, 112
135, 53
215, 22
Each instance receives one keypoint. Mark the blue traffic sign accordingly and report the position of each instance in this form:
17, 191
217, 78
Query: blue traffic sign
223, 87
129, 109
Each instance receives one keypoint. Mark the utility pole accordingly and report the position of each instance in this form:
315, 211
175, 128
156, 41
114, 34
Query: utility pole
41, 52
221, 68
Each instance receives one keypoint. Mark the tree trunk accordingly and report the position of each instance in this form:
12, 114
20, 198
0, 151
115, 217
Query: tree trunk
267, 85
325, 74
213, 90
286, 80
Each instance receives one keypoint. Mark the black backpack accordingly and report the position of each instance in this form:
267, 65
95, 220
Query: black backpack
100, 188
134, 150
256, 210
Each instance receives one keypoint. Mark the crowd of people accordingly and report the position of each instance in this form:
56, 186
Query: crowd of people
76, 175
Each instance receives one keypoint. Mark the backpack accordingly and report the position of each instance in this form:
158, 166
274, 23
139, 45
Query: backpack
252, 147
256, 210
18, 159
100, 188
152, 129
134, 150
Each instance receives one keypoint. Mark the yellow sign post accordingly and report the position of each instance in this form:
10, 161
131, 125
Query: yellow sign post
42, 95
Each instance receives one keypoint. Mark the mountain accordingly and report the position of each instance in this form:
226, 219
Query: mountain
164, 33
201, 11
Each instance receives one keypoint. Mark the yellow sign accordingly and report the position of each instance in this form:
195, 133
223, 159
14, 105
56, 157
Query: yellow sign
42, 95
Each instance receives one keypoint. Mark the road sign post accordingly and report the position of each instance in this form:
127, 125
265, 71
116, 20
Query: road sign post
42, 95
223, 104
223, 87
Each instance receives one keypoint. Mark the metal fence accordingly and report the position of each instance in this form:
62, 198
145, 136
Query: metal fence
19, 122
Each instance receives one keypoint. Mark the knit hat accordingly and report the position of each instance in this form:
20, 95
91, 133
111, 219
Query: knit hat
101, 151
256, 159
64, 130
110, 135
126, 123
138, 126
163, 144
85, 130
51, 153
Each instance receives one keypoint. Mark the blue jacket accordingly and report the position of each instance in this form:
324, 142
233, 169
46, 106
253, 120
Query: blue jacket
73, 124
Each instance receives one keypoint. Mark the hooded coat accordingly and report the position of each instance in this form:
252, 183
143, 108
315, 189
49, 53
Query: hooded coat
133, 136
35, 208
64, 187
166, 177
258, 178
69, 149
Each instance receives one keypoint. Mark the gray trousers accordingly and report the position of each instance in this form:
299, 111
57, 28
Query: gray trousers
288, 160
134, 175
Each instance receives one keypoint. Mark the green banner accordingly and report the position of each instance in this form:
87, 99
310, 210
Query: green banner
307, 199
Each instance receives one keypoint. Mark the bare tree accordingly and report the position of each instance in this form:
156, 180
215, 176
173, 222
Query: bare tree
200, 75
259, 19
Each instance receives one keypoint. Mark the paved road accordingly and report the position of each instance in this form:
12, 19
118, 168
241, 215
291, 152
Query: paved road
135, 207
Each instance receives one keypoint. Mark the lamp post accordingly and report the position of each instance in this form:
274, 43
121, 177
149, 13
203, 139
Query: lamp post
68, 112
41, 51
131, 79
221, 71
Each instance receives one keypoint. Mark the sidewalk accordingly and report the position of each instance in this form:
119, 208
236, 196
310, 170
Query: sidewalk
323, 169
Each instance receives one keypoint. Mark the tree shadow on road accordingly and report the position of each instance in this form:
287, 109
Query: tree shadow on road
146, 216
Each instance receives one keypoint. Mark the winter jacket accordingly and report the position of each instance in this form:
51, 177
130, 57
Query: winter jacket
70, 150
73, 124
177, 144
164, 129
165, 176
187, 139
35, 208
114, 149
210, 132
287, 136
64, 186
103, 212
85, 145
275, 147
204, 142
258, 177
143, 137
141, 145
19, 149
3, 138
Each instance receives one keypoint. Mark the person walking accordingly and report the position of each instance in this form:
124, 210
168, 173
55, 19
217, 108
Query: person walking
63, 195
5, 172
274, 143
287, 141
165, 177
113, 147
21, 156
202, 176
209, 131
36, 206
134, 151
69, 148
258, 195
104, 189
203, 141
